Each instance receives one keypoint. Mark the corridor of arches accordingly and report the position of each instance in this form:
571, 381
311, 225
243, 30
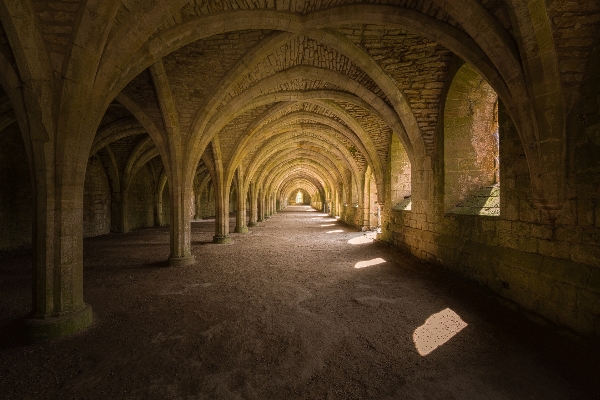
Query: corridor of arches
464, 133
302, 307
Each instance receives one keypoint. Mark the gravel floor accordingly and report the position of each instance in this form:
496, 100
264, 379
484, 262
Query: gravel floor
302, 307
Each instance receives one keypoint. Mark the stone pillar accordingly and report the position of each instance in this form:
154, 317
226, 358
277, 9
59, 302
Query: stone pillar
221, 214
118, 216
58, 308
158, 209
159, 219
240, 216
261, 206
198, 208
270, 206
253, 205
122, 226
180, 228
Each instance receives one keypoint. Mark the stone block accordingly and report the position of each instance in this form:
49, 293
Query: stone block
590, 236
554, 248
566, 271
589, 302
541, 231
554, 291
585, 254
524, 261
593, 283
527, 244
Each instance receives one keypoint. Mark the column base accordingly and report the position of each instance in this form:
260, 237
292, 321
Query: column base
42, 329
182, 261
260, 220
222, 239
251, 224
241, 229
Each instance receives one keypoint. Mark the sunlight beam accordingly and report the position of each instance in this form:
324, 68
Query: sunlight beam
368, 263
437, 330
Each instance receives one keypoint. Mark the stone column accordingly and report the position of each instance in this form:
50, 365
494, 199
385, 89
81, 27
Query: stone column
58, 308
240, 216
180, 228
221, 214
253, 205
261, 206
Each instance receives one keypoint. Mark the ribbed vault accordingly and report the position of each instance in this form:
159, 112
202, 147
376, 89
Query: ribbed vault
233, 105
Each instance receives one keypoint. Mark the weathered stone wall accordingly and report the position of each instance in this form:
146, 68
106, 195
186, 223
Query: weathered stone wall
207, 203
140, 206
351, 215
16, 206
553, 270
400, 172
470, 136
96, 200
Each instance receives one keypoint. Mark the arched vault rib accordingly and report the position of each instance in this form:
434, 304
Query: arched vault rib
330, 169
344, 47
253, 98
115, 131
287, 163
291, 184
358, 137
138, 152
306, 173
322, 126
301, 166
286, 140
148, 125
311, 160
277, 183
201, 27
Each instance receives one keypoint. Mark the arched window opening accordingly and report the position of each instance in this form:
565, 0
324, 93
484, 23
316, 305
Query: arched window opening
299, 198
400, 176
471, 150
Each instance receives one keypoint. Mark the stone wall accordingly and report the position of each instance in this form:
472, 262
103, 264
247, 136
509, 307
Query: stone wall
96, 200
552, 269
400, 172
470, 137
16, 206
206, 203
351, 215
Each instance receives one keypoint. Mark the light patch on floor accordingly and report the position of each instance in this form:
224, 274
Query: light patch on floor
336, 231
366, 238
437, 330
369, 263
327, 224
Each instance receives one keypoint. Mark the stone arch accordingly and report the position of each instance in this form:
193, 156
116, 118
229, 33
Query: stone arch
282, 141
358, 137
115, 131
253, 97
399, 175
471, 154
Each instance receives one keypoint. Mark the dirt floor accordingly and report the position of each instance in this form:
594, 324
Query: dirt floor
302, 307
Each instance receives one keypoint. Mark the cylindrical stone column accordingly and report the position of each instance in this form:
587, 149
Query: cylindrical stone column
240, 217
221, 214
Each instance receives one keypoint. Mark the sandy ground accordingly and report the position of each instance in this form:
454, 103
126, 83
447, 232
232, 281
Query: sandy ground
284, 313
